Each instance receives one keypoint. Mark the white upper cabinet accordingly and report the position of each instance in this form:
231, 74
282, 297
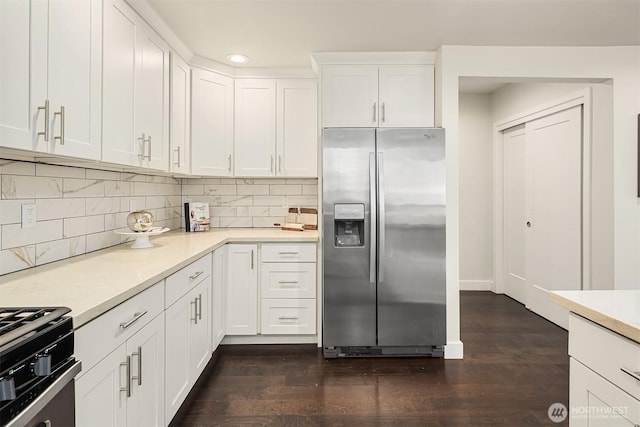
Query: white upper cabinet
211, 124
135, 98
378, 96
51, 91
180, 156
276, 127
297, 128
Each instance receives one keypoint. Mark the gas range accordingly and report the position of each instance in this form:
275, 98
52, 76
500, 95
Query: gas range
36, 361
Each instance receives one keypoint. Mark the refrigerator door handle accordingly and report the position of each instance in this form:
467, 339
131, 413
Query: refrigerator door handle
372, 219
381, 219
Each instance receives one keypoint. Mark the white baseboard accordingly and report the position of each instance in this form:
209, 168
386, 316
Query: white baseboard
476, 285
269, 339
453, 350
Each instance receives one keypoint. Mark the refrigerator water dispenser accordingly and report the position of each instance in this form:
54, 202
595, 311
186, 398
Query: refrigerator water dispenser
349, 225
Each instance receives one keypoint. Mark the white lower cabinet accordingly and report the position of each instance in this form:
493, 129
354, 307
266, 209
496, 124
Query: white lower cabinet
187, 330
603, 391
126, 387
241, 290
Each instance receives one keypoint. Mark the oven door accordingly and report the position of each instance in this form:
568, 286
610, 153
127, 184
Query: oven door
55, 407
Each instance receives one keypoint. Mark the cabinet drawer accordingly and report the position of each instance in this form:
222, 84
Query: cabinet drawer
288, 280
289, 252
102, 335
605, 352
181, 282
288, 316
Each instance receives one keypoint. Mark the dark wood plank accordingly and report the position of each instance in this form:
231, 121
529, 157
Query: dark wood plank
515, 366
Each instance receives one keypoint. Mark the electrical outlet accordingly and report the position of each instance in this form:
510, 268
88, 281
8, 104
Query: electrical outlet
29, 215
285, 202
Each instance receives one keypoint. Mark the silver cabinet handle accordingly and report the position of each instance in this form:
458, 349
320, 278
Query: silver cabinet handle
375, 104
229, 159
280, 163
252, 259
142, 142
383, 112
46, 120
195, 276
61, 114
136, 317
288, 253
271, 163
149, 142
372, 217
138, 354
127, 384
381, 239
288, 318
195, 310
633, 374
178, 151
288, 282
199, 299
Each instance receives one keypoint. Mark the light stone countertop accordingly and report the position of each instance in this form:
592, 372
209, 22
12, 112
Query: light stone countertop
94, 283
618, 311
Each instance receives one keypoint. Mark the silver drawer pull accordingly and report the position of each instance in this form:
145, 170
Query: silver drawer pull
288, 253
634, 375
138, 354
127, 386
285, 282
136, 317
288, 318
195, 276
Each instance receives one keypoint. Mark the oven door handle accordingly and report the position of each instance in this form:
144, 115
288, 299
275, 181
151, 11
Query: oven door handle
37, 405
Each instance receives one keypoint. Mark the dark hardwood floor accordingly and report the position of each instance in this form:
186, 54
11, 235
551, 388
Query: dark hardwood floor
515, 365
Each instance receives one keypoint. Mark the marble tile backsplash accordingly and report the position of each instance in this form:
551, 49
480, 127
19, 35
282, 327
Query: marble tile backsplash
256, 202
77, 209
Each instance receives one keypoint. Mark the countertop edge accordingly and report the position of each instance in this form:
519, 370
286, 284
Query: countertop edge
616, 325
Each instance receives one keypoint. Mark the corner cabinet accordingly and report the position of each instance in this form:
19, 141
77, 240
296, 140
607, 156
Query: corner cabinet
378, 96
180, 140
135, 97
211, 123
604, 380
276, 130
51, 76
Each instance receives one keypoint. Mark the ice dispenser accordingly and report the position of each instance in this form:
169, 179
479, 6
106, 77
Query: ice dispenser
349, 224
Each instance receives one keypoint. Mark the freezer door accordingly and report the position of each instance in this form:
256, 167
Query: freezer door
411, 237
349, 277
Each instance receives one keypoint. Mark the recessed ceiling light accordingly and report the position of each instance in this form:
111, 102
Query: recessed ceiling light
238, 58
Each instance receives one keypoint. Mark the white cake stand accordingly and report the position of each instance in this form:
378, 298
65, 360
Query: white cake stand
142, 237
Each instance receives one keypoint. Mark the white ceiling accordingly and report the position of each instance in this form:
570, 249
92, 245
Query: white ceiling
284, 33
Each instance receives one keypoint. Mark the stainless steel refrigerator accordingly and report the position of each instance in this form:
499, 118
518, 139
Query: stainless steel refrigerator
384, 241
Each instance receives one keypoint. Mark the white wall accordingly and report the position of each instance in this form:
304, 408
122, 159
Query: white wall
476, 192
621, 64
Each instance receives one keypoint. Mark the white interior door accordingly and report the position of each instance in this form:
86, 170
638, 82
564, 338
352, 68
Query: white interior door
543, 211
555, 163
515, 281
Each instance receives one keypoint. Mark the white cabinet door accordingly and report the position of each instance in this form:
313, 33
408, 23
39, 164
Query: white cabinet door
135, 100
146, 352
406, 96
255, 127
211, 123
152, 98
99, 399
74, 77
217, 297
350, 96
51, 91
118, 73
241, 290
180, 155
188, 348
297, 128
